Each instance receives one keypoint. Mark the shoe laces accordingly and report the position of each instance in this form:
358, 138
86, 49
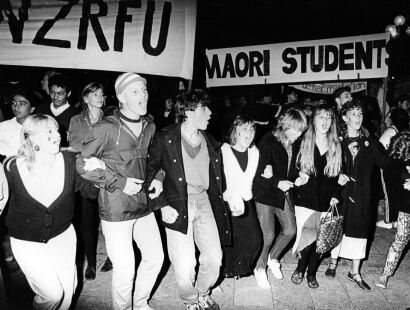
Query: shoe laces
206, 302
194, 306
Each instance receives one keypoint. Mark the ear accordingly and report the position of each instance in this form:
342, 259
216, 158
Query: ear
344, 118
69, 94
32, 110
120, 97
85, 99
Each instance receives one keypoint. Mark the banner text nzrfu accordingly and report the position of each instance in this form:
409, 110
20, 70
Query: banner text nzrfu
16, 24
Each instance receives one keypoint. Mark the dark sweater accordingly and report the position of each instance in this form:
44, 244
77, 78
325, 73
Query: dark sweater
27, 219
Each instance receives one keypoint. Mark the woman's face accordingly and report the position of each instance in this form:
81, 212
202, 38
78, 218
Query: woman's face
292, 134
245, 134
322, 122
48, 139
354, 119
95, 99
21, 107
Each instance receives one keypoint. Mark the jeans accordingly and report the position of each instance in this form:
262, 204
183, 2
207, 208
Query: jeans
400, 241
202, 232
286, 218
49, 268
119, 237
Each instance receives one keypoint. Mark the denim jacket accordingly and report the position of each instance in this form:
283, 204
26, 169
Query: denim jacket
166, 153
125, 156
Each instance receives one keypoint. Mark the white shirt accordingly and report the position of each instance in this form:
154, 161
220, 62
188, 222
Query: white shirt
44, 188
9, 137
60, 109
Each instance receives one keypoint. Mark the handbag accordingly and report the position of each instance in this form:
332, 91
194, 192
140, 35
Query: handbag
330, 231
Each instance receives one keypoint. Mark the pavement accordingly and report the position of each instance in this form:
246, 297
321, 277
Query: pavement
241, 294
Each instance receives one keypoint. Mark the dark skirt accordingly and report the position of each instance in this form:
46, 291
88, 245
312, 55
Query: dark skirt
247, 240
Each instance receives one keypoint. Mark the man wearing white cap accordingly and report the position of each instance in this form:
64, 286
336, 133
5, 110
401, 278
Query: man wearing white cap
121, 141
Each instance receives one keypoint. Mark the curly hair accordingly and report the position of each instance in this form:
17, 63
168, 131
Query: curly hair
189, 101
400, 146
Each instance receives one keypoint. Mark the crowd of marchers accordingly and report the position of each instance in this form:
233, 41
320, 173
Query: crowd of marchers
218, 203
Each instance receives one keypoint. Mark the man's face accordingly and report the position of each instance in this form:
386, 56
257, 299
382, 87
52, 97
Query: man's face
293, 97
199, 117
58, 95
346, 96
135, 98
292, 134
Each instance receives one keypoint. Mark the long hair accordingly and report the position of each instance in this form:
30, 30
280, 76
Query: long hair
400, 146
239, 121
292, 118
88, 89
31, 126
305, 158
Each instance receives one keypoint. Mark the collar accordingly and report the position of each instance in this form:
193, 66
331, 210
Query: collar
59, 110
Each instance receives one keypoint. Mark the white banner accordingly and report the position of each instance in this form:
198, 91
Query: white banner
329, 88
144, 36
348, 58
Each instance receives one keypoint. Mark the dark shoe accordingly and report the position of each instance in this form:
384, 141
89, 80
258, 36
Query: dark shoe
360, 283
297, 277
207, 303
90, 273
312, 282
330, 272
107, 265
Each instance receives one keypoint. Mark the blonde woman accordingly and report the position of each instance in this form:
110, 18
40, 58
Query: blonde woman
42, 182
316, 173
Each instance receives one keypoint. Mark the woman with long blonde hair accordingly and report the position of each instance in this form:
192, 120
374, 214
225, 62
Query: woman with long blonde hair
316, 170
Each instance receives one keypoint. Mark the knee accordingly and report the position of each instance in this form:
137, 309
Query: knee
289, 231
211, 260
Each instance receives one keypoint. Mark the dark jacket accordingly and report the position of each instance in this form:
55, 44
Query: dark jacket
395, 175
271, 152
166, 153
125, 156
80, 125
320, 189
27, 219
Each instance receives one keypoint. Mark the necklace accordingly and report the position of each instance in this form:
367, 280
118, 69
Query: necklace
129, 119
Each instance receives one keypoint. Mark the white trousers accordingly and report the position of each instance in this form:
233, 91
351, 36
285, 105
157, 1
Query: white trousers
49, 268
119, 237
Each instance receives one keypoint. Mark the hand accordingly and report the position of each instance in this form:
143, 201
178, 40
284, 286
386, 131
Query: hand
343, 179
285, 185
237, 211
406, 184
157, 187
169, 214
302, 179
4, 190
334, 201
133, 186
268, 172
93, 163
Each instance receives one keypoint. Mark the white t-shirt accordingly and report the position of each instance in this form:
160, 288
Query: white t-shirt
9, 137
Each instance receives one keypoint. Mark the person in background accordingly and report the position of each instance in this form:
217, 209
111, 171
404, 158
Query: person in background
316, 169
59, 108
42, 236
192, 209
120, 142
23, 103
271, 189
87, 218
361, 154
399, 198
341, 96
240, 158
46, 77
397, 121
4, 196
166, 116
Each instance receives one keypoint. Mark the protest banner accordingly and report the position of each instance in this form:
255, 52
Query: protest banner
349, 58
144, 36
329, 88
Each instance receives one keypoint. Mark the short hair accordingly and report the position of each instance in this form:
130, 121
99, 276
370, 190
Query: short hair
26, 93
89, 88
291, 118
351, 105
339, 91
400, 146
239, 120
60, 80
31, 126
189, 101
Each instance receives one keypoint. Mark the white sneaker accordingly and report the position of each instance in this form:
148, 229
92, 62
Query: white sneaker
274, 266
394, 224
383, 224
261, 278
